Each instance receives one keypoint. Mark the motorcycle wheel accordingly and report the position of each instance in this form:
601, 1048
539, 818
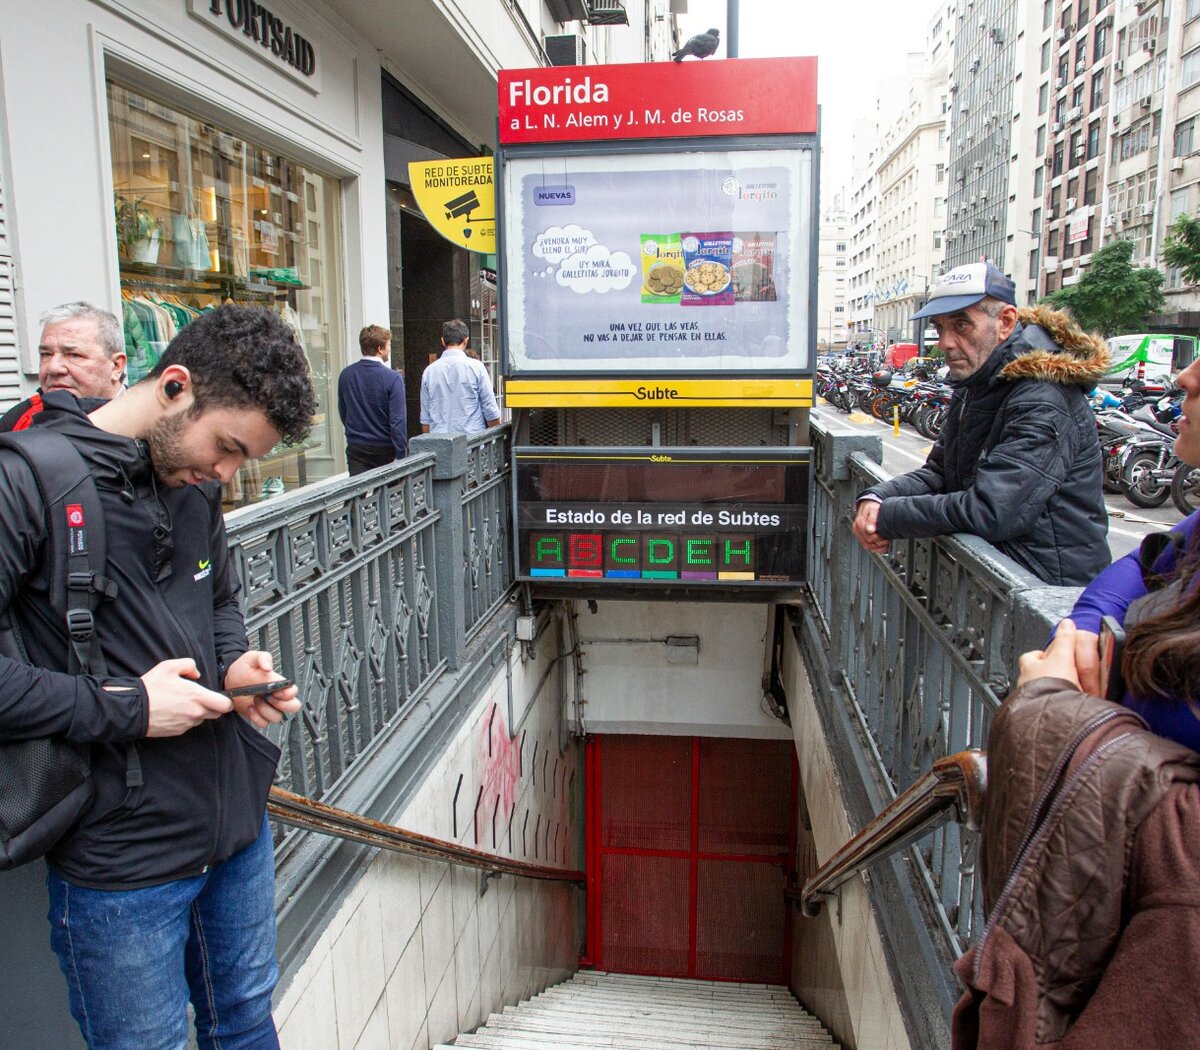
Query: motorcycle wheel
1185, 488
881, 407
1112, 474
1138, 483
935, 421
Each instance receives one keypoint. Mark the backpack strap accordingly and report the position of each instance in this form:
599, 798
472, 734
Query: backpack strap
77, 547
77, 552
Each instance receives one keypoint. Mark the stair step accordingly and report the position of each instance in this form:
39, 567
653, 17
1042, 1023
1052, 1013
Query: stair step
570, 1008
602, 1011
487, 1039
689, 1035
652, 1000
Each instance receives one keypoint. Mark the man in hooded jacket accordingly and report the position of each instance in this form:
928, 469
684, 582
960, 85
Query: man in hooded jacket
1018, 462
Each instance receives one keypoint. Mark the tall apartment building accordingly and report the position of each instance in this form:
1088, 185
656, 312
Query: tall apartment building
1182, 180
986, 36
860, 261
912, 185
832, 282
1076, 96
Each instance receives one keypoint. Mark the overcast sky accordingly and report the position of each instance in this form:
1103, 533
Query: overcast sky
857, 43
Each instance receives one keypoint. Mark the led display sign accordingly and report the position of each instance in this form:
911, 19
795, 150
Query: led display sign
694, 517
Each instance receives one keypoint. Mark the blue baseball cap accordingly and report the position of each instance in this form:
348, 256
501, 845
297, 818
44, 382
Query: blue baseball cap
965, 286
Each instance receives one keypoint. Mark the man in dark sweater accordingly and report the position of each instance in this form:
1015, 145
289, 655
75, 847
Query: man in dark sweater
371, 405
1018, 462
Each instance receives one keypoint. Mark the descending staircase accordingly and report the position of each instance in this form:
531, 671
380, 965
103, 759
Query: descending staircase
617, 1011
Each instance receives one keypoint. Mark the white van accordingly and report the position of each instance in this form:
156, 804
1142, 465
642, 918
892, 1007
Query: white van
1148, 356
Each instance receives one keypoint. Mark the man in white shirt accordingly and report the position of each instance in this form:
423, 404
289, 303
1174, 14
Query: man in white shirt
456, 392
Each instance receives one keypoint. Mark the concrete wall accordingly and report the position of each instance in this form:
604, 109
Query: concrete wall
636, 683
839, 970
415, 955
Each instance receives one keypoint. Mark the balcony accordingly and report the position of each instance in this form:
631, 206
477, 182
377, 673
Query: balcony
607, 13
568, 10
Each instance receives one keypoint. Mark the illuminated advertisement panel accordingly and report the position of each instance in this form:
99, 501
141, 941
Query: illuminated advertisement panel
662, 516
657, 263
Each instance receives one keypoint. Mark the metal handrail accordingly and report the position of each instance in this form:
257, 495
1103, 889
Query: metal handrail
955, 786
307, 813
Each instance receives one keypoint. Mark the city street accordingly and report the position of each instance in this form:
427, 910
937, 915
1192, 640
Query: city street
1127, 524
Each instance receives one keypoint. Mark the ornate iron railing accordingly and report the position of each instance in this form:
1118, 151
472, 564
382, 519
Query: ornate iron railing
356, 586
922, 645
486, 513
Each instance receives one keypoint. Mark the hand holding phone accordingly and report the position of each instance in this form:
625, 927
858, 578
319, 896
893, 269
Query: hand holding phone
1112, 645
259, 688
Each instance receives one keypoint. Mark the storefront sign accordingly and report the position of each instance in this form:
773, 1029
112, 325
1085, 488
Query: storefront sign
757, 96
650, 263
666, 516
458, 197
264, 32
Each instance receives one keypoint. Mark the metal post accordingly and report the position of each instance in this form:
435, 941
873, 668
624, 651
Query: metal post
448, 471
731, 28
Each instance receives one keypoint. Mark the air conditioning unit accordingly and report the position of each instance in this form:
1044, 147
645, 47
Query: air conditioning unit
1147, 102
1109, 221
1150, 45
1051, 214
1118, 67
1148, 208
1177, 164
1061, 35
1071, 202
1116, 120
1105, 22
1080, 152
1075, 114
1060, 82
566, 49
1055, 128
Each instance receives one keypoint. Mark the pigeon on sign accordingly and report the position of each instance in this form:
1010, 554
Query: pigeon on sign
701, 45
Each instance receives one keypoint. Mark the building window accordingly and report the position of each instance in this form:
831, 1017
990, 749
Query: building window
1043, 99
1090, 184
1100, 46
236, 221
1185, 137
1066, 18
1077, 96
1046, 54
1080, 55
1047, 13
1041, 140
1193, 8
1058, 160
1093, 139
1097, 91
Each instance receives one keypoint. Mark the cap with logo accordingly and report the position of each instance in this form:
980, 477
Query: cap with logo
965, 286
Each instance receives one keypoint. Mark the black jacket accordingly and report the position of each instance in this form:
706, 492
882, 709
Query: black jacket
1018, 462
204, 793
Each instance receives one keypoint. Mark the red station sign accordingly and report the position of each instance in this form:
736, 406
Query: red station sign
748, 96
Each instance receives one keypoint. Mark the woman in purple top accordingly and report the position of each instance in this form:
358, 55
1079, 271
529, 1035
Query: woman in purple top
1161, 663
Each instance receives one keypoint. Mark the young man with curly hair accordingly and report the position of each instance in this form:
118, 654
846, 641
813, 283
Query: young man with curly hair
164, 889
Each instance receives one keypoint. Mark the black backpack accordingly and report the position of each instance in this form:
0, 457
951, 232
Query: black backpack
46, 783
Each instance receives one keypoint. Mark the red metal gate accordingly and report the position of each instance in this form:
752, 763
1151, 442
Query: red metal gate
691, 842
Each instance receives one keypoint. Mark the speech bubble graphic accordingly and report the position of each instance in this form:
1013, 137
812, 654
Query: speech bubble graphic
596, 270
561, 242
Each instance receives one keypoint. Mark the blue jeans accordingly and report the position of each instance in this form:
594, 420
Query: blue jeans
133, 958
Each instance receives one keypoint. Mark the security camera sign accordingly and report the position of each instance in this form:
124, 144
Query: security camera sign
459, 200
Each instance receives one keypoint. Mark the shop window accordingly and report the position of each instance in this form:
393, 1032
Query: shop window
206, 216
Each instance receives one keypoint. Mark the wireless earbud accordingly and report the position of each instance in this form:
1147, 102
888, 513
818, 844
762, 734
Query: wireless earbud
172, 388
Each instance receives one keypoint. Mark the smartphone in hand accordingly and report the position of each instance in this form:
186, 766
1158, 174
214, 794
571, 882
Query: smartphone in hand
1112, 645
259, 688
